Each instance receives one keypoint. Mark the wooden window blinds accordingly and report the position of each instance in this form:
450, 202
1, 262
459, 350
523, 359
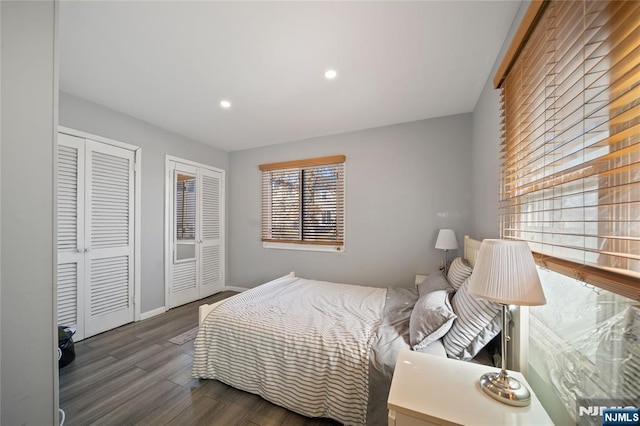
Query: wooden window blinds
570, 164
303, 201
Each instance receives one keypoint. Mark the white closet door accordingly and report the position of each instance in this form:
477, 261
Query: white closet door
195, 252
109, 234
70, 239
210, 258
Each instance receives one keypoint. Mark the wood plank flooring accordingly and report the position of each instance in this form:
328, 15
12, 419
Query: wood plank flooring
134, 376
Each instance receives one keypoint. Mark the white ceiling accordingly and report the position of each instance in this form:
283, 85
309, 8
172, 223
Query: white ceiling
171, 63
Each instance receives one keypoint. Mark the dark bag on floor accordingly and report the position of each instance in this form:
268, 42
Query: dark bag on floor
66, 352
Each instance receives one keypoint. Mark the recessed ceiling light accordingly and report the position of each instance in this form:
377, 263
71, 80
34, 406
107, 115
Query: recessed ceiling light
225, 104
330, 74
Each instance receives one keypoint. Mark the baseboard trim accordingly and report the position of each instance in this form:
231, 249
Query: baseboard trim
152, 313
234, 288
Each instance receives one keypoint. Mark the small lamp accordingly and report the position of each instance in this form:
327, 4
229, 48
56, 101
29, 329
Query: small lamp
446, 241
505, 273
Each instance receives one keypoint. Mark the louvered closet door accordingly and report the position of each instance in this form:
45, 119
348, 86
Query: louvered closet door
109, 235
70, 240
211, 255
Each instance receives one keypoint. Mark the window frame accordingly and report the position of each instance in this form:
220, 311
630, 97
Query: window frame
334, 246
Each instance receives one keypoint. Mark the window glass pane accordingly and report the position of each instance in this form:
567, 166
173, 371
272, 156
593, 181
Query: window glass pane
185, 251
185, 207
285, 205
584, 343
319, 204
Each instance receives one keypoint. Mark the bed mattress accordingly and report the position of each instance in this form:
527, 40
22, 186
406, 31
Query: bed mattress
298, 343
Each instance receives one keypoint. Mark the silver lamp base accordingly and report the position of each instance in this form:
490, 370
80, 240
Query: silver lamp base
506, 389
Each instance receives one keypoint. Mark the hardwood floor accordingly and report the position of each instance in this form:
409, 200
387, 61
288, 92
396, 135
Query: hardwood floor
134, 376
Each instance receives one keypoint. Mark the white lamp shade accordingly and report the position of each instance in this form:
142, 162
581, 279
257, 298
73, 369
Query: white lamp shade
506, 273
446, 240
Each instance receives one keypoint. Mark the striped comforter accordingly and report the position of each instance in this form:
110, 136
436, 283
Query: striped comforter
301, 344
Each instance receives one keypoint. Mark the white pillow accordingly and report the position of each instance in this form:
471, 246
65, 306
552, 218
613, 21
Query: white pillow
434, 281
458, 272
431, 318
478, 322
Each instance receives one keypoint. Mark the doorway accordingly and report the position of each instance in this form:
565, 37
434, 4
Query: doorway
195, 255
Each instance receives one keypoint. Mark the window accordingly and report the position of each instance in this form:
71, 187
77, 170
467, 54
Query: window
571, 189
571, 150
303, 203
185, 216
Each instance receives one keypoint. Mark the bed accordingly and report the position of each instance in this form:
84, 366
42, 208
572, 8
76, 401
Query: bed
327, 349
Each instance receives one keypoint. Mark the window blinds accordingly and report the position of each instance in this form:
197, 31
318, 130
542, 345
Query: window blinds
571, 142
303, 201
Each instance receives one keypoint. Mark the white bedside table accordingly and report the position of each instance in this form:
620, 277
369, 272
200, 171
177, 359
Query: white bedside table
420, 278
432, 390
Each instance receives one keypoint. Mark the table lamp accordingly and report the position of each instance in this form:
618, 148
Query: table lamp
446, 241
505, 273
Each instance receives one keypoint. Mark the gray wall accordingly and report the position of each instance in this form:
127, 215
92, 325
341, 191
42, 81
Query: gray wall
156, 143
485, 147
403, 183
485, 168
28, 374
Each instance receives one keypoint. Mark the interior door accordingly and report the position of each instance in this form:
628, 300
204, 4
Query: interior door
196, 231
109, 249
70, 241
211, 255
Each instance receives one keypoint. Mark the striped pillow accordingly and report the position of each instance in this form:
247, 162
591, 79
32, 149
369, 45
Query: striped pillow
478, 322
458, 272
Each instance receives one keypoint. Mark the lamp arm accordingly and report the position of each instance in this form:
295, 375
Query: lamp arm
446, 261
505, 338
